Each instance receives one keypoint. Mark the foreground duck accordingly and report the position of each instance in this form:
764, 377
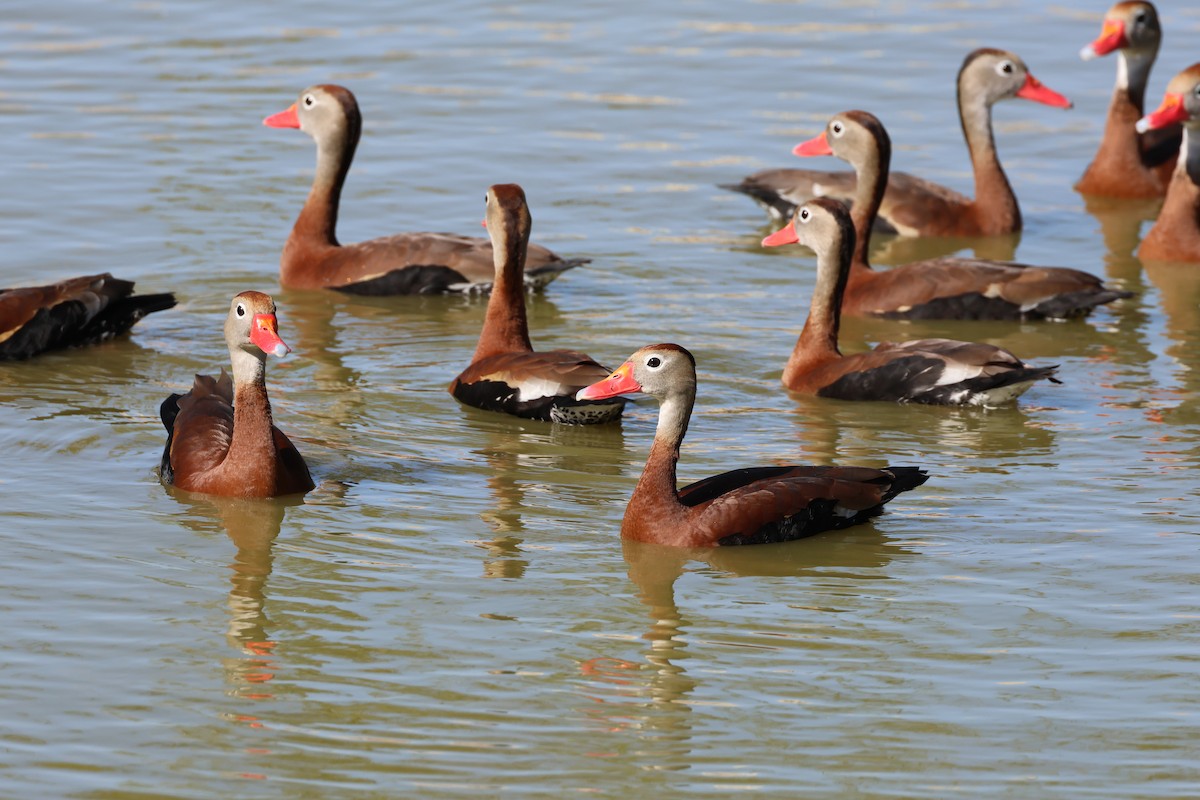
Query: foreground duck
940, 288
407, 263
935, 371
221, 438
747, 506
71, 313
506, 374
1130, 164
912, 206
1175, 235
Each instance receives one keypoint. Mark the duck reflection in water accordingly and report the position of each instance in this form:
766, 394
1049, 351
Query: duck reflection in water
515, 453
649, 696
252, 526
1001, 439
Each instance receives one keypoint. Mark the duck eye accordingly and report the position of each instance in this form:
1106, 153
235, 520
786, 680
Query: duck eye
804, 215
308, 100
1139, 17
1005, 68
653, 362
837, 128
241, 310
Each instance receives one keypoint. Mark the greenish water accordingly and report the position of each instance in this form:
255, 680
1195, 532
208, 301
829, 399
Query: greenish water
452, 612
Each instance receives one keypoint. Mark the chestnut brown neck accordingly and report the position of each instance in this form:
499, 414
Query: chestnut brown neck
818, 342
654, 513
316, 227
872, 177
506, 327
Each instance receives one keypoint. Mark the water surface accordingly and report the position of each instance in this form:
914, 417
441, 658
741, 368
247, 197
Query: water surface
452, 612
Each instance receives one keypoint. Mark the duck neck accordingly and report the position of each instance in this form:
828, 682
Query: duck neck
872, 177
253, 444
506, 327
1182, 205
656, 490
818, 340
1133, 73
995, 204
318, 219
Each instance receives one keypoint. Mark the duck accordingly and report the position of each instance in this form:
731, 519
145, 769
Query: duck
912, 206
1129, 164
506, 374
940, 288
932, 371
71, 313
1175, 235
755, 505
406, 263
221, 438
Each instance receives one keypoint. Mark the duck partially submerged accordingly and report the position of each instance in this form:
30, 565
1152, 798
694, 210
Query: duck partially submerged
934, 371
406, 263
913, 206
71, 313
221, 437
756, 505
506, 374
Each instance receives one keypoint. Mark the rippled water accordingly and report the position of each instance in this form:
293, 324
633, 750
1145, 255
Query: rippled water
452, 612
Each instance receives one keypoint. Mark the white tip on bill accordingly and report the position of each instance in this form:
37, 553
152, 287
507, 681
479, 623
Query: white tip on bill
1087, 53
1142, 125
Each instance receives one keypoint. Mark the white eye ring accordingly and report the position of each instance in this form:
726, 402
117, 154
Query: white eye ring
654, 362
804, 216
837, 128
241, 310
1005, 67
308, 100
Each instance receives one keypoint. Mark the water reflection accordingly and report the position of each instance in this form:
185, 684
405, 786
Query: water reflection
517, 452
252, 526
875, 434
1121, 223
650, 697
1179, 295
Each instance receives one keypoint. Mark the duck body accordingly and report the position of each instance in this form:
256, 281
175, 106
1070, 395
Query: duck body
406, 263
71, 313
911, 206
757, 505
1175, 235
940, 288
221, 437
933, 371
506, 374
1129, 164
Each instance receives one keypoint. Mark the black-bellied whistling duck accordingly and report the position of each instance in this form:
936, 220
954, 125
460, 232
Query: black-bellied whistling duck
506, 374
935, 371
1175, 235
940, 288
220, 436
1129, 164
912, 206
407, 263
757, 505
71, 313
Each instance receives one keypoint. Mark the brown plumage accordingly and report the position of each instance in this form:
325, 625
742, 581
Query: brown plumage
506, 374
936, 371
221, 438
407, 263
71, 313
941, 288
747, 506
915, 207
1127, 163
1175, 235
